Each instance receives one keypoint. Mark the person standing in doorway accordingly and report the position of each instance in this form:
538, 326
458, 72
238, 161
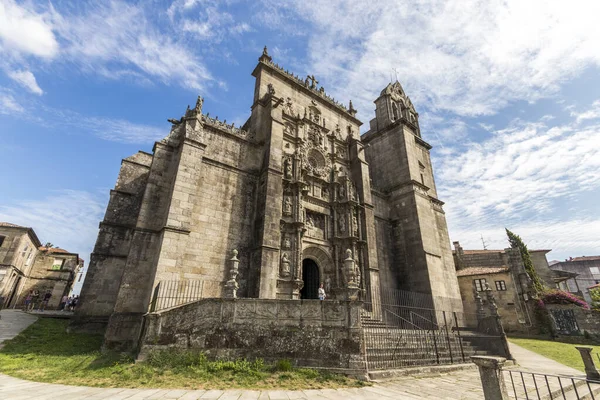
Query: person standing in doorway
321, 292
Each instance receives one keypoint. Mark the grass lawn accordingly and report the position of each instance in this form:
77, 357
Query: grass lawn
44, 352
564, 353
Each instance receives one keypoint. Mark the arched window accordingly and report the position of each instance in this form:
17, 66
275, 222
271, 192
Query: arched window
395, 114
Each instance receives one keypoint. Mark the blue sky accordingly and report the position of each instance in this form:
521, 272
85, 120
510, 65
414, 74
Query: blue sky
507, 92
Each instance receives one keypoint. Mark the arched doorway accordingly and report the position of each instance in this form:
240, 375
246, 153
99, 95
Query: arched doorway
311, 278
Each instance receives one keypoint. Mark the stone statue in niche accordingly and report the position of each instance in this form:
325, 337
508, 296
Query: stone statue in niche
287, 206
342, 192
355, 225
342, 223
325, 192
352, 192
285, 265
286, 243
288, 108
287, 169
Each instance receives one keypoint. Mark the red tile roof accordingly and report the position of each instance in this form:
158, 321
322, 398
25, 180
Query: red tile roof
584, 258
480, 271
53, 250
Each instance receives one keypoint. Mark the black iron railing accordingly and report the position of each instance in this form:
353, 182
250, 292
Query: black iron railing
530, 385
169, 294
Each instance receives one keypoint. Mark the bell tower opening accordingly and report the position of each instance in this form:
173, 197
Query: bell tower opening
310, 275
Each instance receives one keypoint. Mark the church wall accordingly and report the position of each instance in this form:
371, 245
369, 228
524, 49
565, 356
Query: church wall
387, 159
107, 262
301, 101
223, 210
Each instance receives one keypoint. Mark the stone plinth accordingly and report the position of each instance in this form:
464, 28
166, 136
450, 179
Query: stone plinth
590, 369
492, 380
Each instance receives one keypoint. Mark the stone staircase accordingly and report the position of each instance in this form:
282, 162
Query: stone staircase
391, 347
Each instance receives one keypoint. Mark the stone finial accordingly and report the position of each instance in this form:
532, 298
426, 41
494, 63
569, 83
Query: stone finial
352, 275
491, 300
351, 110
198, 107
265, 57
478, 304
231, 286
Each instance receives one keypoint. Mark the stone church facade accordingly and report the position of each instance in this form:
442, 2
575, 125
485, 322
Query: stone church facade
300, 195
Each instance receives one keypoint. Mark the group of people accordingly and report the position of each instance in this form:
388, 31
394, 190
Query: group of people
36, 301
68, 303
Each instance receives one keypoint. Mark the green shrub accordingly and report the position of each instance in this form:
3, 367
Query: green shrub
283, 365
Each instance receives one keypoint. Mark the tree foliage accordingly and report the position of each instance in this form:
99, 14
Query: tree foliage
517, 243
595, 295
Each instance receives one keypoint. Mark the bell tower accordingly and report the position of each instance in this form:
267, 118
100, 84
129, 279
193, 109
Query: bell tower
402, 176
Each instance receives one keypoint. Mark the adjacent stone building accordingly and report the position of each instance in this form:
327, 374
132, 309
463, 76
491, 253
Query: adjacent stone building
300, 195
25, 265
503, 272
585, 274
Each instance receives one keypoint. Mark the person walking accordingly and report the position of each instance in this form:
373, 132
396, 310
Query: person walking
45, 300
63, 302
28, 300
35, 297
321, 292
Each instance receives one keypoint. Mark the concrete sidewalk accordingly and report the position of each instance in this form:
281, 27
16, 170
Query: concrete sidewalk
12, 322
464, 385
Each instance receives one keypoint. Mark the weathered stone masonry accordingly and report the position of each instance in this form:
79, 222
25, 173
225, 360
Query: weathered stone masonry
296, 191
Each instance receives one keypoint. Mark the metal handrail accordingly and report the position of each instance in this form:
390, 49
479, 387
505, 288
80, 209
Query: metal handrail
420, 316
403, 319
553, 393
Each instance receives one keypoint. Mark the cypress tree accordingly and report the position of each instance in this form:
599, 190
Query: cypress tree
517, 243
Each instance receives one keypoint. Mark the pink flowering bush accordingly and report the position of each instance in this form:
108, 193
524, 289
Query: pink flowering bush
561, 297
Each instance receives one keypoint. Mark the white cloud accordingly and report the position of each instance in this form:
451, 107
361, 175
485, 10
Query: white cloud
570, 238
67, 218
469, 57
8, 104
25, 30
27, 80
115, 130
522, 178
119, 37
591, 114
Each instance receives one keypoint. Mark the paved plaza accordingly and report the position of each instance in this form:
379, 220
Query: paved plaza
463, 384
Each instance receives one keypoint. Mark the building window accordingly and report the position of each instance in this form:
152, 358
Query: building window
29, 257
500, 285
2, 240
479, 284
57, 264
595, 270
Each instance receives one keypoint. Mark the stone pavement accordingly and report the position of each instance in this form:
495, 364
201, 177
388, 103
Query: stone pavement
12, 322
464, 385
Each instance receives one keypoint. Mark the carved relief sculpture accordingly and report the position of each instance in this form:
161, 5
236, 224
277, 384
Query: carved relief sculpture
355, 225
286, 243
